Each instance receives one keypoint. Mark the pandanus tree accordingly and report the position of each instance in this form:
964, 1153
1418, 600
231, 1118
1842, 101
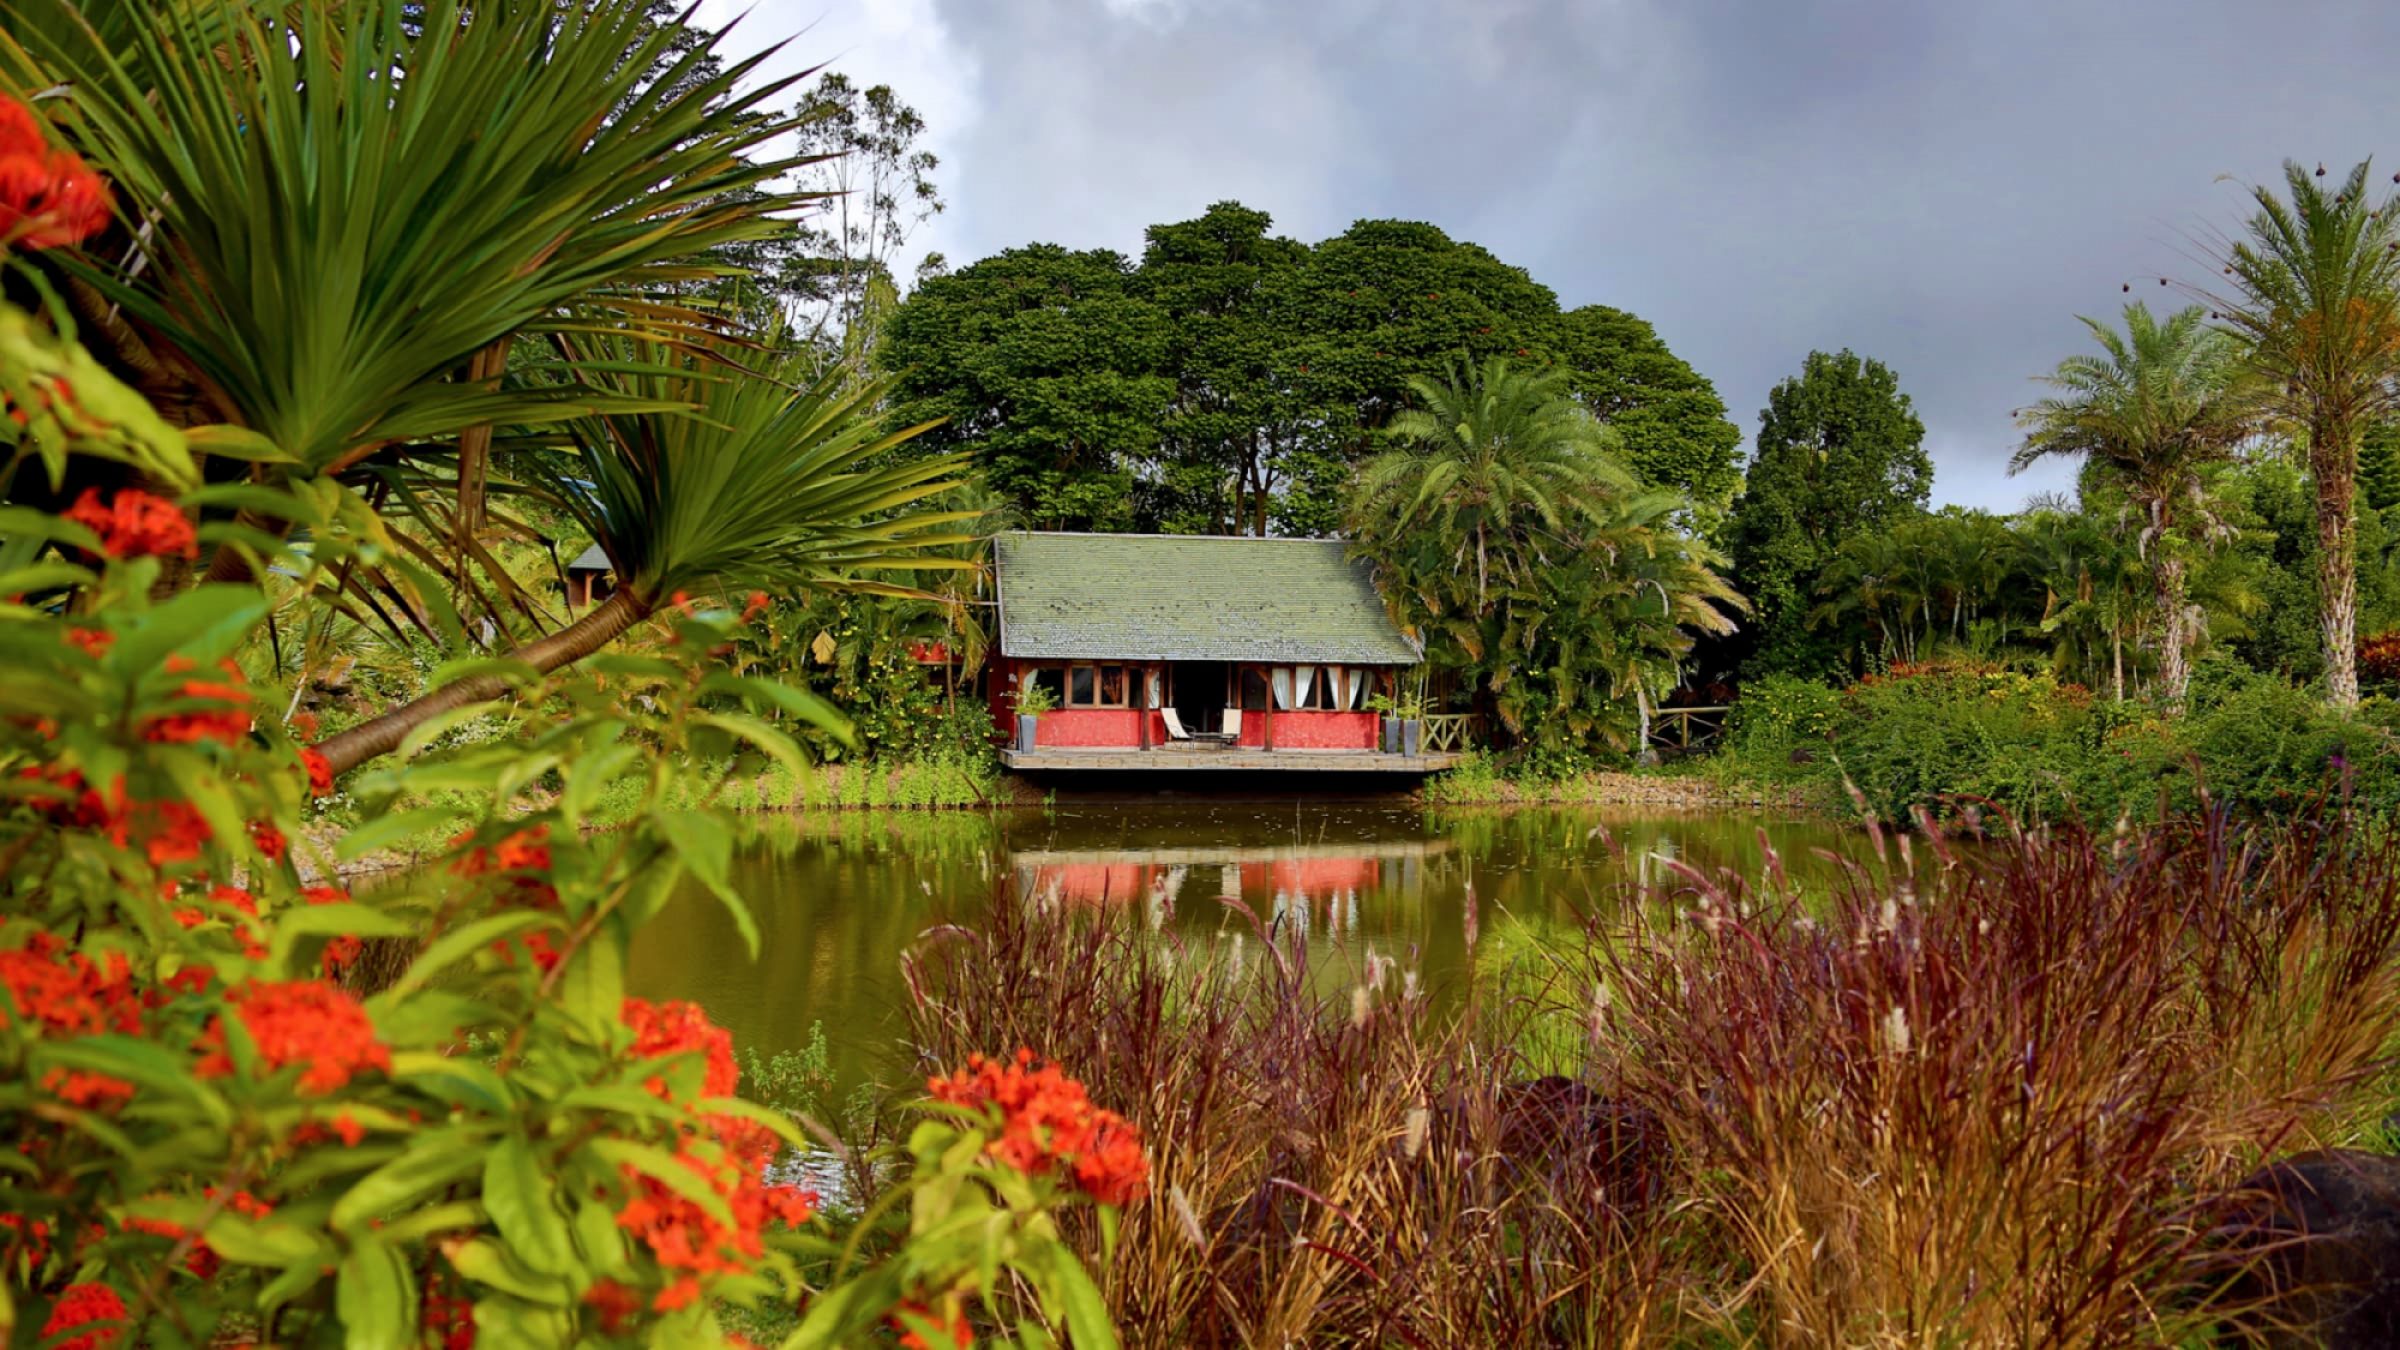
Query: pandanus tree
780, 478
2312, 289
340, 213
2153, 411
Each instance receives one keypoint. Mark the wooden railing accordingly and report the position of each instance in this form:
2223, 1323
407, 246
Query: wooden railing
1452, 733
1686, 728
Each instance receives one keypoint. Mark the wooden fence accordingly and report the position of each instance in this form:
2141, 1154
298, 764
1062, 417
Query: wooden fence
1452, 733
1686, 728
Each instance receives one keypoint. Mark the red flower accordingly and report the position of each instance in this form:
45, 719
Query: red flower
523, 857
87, 1091
65, 992
320, 771
308, 1023
135, 524
203, 1260
451, 1321
304, 722
1047, 1122
615, 1304
224, 715
31, 1234
92, 642
339, 951
756, 606
81, 1306
268, 840
955, 1328
244, 927
47, 197
661, 1030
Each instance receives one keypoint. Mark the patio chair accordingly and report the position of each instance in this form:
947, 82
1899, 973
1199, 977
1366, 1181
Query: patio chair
1175, 731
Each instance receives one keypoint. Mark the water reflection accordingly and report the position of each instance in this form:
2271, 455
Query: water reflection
837, 897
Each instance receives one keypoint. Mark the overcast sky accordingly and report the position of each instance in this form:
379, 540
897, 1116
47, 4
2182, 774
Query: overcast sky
1943, 185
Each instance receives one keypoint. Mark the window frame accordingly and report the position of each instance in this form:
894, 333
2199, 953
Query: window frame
1127, 678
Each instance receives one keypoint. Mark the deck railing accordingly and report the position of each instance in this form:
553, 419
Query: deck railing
1686, 728
1452, 733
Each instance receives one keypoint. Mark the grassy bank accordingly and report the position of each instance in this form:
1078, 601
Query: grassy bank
1484, 781
1992, 1106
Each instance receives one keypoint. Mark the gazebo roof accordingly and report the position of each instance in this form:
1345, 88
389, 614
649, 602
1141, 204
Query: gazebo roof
1148, 597
593, 559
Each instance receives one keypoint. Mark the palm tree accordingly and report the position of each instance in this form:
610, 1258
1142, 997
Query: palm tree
1499, 452
2153, 412
2315, 296
346, 209
780, 479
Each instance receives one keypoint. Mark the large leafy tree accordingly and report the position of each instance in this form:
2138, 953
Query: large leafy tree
2155, 410
1668, 416
1238, 419
1283, 366
2313, 290
1049, 366
1840, 452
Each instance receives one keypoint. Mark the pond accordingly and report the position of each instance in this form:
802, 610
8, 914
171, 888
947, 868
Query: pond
838, 896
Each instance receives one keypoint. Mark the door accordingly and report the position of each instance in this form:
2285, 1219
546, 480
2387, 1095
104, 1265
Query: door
1197, 689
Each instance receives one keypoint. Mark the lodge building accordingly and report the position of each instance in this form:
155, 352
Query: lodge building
1195, 652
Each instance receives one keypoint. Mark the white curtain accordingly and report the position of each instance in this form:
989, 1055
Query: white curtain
1362, 685
1154, 682
1302, 677
1280, 678
1337, 688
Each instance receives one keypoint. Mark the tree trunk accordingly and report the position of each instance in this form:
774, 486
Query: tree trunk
596, 629
2174, 672
2116, 655
475, 449
2333, 462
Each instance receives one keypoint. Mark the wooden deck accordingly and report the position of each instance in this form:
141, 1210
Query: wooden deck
1219, 759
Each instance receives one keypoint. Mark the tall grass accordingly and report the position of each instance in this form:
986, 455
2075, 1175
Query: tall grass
1976, 1095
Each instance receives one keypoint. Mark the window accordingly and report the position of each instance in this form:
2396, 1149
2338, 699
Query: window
1054, 680
1091, 686
1253, 689
1326, 690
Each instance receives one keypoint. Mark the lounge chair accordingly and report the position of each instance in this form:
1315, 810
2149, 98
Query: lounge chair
1175, 731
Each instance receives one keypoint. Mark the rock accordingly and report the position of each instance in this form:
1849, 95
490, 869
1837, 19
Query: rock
2317, 1240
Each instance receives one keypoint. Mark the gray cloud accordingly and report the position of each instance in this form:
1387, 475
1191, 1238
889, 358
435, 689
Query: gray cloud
1943, 186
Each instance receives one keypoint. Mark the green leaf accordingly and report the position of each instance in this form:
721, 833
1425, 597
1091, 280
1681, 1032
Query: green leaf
331, 921
592, 987
232, 442
517, 1192
466, 940
1070, 1295
600, 1239
375, 1299
264, 1243
203, 623
435, 1161
459, 1079
486, 1264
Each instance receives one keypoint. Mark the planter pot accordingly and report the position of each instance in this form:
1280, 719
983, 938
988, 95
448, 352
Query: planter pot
1390, 728
1026, 724
1412, 737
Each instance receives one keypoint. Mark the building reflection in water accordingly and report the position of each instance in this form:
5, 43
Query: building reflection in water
1307, 890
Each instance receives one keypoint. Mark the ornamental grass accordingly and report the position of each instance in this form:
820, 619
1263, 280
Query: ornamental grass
1981, 1091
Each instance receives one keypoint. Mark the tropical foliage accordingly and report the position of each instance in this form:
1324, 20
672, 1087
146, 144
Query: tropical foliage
1561, 594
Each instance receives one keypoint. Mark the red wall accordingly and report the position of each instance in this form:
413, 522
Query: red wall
1098, 727
1313, 730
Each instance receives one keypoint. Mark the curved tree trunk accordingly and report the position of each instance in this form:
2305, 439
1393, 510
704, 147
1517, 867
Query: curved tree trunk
2333, 462
596, 629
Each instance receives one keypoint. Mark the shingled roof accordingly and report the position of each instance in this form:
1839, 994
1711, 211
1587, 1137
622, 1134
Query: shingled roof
1149, 597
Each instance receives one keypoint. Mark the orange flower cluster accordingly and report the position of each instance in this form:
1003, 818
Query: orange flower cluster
225, 718
1047, 1122
168, 832
956, 1328
92, 642
320, 771
94, 1310
47, 197
66, 992
135, 524
681, 1235
308, 1023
